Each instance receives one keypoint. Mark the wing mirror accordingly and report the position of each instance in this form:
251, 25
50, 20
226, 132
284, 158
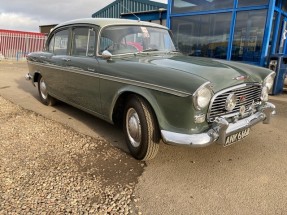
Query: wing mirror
106, 55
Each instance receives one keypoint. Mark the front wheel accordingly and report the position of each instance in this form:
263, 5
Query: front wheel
140, 129
43, 92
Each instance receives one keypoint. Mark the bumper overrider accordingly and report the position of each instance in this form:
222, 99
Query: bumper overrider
29, 77
221, 128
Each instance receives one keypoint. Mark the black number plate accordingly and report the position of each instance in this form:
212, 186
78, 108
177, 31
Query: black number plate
237, 137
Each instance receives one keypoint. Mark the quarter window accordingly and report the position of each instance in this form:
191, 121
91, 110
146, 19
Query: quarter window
59, 43
51, 44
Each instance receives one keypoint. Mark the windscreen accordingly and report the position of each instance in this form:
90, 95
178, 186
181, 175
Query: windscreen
134, 39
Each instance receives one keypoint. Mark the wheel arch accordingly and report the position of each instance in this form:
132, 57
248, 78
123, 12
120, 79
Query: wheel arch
36, 76
121, 98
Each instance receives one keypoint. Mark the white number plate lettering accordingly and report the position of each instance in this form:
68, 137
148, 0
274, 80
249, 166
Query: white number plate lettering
237, 137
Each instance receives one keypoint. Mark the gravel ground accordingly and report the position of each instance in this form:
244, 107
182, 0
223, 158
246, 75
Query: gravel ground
48, 168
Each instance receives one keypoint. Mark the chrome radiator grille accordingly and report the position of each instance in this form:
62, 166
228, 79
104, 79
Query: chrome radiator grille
246, 94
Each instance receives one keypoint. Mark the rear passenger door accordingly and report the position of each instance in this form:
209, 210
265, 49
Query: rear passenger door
54, 72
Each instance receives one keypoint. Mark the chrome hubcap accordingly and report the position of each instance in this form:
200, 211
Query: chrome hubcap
133, 127
43, 89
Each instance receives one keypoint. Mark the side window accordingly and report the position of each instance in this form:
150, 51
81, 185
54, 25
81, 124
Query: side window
83, 42
51, 44
61, 42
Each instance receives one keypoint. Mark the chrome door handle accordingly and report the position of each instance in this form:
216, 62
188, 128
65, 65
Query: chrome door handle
66, 59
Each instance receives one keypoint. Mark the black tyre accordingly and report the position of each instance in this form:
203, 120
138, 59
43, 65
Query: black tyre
141, 129
43, 93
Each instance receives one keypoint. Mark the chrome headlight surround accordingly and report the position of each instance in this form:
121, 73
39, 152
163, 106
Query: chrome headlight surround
267, 86
269, 80
264, 94
202, 96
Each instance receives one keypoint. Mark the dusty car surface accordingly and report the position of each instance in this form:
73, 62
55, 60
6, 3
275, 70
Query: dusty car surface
130, 73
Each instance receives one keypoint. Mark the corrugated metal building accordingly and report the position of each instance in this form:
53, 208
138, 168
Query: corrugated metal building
155, 16
118, 7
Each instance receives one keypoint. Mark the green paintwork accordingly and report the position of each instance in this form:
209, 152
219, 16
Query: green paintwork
166, 80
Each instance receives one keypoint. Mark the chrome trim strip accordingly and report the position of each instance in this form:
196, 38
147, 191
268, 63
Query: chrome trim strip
220, 129
116, 79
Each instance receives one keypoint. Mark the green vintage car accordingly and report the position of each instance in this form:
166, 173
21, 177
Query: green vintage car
130, 73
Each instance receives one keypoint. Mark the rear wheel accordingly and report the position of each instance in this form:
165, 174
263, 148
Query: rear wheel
43, 92
140, 128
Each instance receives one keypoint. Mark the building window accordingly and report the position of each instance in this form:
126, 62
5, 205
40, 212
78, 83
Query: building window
283, 36
284, 5
279, 38
185, 6
203, 35
277, 3
275, 15
248, 35
247, 3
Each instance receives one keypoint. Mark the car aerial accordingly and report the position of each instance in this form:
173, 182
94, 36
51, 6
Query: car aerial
130, 73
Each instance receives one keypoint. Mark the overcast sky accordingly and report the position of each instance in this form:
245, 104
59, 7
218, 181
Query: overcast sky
27, 15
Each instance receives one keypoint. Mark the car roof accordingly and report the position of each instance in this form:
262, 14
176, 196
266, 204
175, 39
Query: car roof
102, 22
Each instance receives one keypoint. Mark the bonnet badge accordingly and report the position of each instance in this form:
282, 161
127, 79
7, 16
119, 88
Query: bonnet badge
240, 78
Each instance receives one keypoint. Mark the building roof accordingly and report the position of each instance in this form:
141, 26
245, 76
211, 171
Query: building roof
115, 9
102, 22
20, 32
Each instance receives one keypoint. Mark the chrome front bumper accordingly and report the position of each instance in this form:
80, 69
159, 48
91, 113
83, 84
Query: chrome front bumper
221, 128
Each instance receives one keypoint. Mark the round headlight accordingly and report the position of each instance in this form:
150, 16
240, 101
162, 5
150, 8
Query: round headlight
230, 102
264, 94
268, 81
202, 96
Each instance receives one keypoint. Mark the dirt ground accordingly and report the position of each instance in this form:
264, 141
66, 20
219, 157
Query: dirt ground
49, 168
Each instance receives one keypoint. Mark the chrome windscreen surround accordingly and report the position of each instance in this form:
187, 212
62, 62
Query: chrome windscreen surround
248, 96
